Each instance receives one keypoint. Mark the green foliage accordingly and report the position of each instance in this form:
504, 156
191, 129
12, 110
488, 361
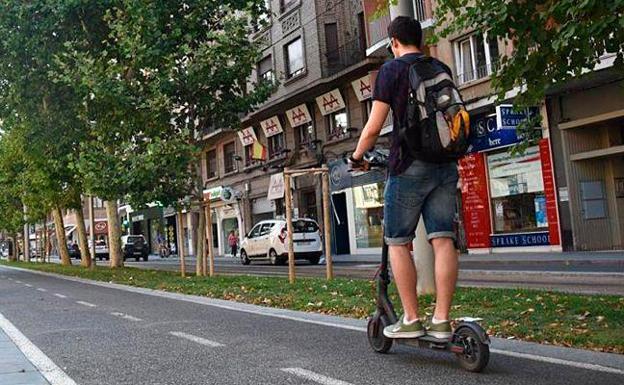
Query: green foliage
166, 71
553, 41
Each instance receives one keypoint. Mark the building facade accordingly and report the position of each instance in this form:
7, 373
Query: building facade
316, 50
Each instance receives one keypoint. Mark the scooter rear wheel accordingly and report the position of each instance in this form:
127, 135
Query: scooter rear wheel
476, 354
376, 338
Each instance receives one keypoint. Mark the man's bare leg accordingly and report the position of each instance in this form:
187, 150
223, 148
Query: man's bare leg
404, 273
446, 266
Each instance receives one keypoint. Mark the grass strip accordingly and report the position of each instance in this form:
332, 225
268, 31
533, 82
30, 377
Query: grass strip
594, 322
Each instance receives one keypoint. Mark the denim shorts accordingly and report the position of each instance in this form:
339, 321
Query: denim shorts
424, 188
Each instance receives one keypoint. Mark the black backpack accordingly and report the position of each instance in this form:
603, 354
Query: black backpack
436, 125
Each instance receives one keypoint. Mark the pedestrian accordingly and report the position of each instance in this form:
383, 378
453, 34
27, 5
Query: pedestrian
233, 242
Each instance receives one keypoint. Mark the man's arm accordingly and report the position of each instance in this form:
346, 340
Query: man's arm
371, 131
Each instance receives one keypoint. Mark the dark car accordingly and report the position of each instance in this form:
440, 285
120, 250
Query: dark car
134, 246
74, 251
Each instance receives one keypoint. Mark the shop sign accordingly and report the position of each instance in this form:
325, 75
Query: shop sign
271, 126
330, 102
475, 202
213, 193
276, 187
101, 227
247, 136
522, 239
362, 88
495, 131
339, 175
298, 115
138, 218
549, 190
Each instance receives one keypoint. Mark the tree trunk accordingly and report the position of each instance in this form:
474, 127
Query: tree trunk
181, 245
13, 249
83, 244
201, 242
59, 228
114, 235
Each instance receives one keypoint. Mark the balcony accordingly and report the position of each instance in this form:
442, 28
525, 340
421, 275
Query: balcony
344, 57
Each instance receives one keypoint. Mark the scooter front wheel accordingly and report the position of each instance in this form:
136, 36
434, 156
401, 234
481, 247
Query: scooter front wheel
476, 354
376, 338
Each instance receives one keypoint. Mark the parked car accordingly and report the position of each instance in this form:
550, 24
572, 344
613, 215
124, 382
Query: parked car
101, 249
268, 239
134, 246
74, 250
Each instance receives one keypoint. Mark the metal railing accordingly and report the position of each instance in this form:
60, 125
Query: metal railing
345, 56
478, 73
420, 13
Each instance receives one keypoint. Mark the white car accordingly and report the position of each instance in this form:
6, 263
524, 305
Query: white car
268, 240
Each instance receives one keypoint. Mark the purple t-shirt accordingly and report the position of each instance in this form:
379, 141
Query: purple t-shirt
392, 87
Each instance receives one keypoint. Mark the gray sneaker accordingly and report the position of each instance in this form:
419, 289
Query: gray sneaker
441, 331
402, 330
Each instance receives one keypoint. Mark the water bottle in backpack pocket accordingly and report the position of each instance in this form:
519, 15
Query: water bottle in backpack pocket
437, 125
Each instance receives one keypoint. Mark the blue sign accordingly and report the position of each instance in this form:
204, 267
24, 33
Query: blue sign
516, 240
497, 130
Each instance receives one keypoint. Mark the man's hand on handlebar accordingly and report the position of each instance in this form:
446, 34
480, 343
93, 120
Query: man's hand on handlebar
358, 164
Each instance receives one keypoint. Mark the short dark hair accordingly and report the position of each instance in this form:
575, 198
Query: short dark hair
406, 30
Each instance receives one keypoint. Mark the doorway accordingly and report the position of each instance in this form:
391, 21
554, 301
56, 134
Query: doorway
340, 227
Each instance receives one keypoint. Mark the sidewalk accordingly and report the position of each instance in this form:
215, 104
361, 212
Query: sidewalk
613, 257
15, 369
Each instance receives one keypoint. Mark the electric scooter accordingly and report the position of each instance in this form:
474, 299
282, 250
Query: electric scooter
469, 341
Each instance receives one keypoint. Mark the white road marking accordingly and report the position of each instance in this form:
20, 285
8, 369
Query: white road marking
318, 378
60, 295
44, 364
552, 360
41, 289
280, 313
18, 281
126, 316
199, 340
86, 303
28, 285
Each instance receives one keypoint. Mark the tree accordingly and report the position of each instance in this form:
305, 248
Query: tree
553, 40
167, 71
41, 112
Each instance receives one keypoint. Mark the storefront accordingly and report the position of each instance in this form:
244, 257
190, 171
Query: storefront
226, 217
508, 198
149, 223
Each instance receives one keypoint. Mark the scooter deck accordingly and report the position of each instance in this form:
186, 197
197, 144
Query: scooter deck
428, 341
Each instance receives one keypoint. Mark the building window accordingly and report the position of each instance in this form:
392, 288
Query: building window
331, 44
337, 125
211, 164
276, 145
419, 10
98, 203
362, 31
308, 204
293, 53
249, 160
305, 134
265, 69
476, 57
517, 192
229, 151
368, 215
594, 200
286, 4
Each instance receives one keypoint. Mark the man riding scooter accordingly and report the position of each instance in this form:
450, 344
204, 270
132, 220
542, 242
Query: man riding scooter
417, 185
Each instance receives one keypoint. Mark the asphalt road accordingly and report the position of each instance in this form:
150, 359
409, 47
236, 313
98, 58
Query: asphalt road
103, 335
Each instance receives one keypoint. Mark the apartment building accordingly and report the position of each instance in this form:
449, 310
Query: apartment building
316, 50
